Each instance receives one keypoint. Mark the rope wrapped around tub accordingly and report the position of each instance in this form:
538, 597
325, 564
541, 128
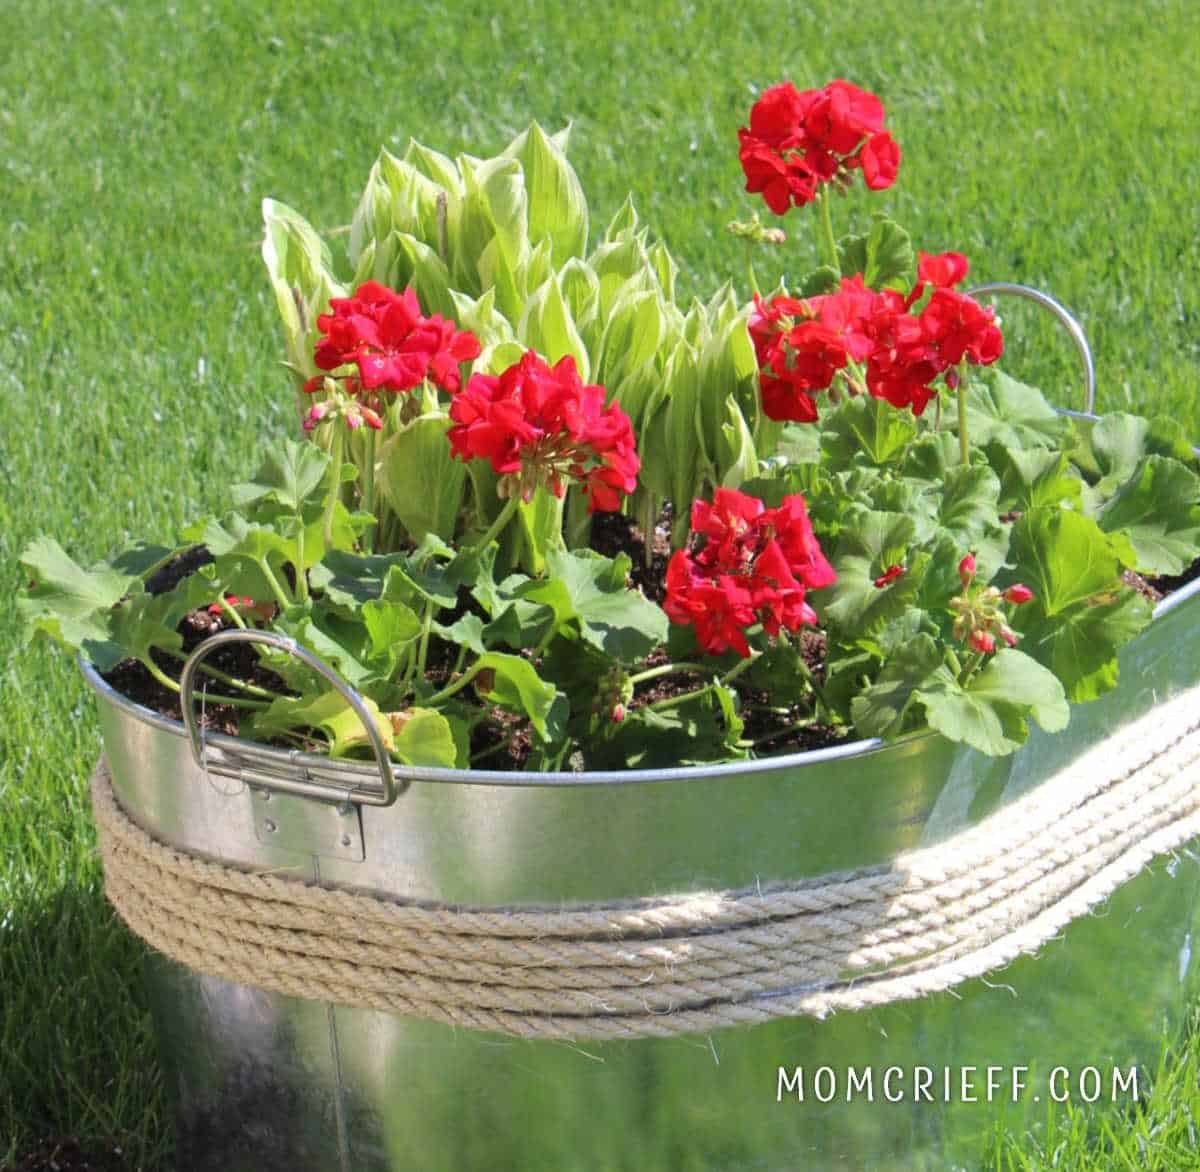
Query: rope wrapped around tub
922, 923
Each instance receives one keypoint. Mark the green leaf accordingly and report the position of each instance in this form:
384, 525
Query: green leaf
142, 623
870, 543
420, 479
391, 627
301, 274
331, 713
290, 476
824, 279
1000, 409
547, 327
1119, 443
992, 713
881, 709
424, 736
513, 683
466, 631
884, 256
1081, 612
591, 589
72, 605
869, 425
1159, 511
700, 728
558, 210
1033, 477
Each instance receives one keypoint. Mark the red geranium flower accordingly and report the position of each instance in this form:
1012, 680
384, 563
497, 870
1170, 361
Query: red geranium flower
538, 425
801, 345
393, 345
752, 565
799, 139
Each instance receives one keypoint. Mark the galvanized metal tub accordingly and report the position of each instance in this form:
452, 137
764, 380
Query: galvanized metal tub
267, 1082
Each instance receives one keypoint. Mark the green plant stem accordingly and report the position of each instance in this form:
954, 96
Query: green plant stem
752, 275
457, 686
497, 526
277, 589
231, 611
368, 491
336, 451
664, 669
964, 441
232, 681
731, 675
301, 572
970, 667
423, 646
737, 669
830, 241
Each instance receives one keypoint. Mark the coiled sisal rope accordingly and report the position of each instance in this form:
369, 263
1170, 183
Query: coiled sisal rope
922, 923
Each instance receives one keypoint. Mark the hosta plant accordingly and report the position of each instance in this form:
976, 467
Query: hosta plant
542, 514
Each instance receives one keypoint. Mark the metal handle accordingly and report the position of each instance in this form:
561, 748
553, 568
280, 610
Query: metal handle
304, 782
1067, 319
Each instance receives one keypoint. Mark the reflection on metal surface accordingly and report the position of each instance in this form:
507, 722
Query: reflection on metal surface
265, 1081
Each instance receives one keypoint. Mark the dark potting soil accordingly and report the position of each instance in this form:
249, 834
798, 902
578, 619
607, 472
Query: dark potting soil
65, 1155
502, 740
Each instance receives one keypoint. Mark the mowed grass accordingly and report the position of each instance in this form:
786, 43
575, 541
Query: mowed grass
138, 342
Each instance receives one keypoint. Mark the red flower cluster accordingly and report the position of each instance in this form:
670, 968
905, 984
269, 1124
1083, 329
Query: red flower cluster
538, 424
395, 348
802, 344
799, 139
753, 567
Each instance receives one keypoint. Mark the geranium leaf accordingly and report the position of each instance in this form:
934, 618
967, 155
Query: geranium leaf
1159, 511
1032, 477
290, 476
72, 605
1003, 410
424, 736
868, 425
1081, 612
884, 256
693, 730
513, 683
880, 709
870, 542
332, 714
992, 712
587, 587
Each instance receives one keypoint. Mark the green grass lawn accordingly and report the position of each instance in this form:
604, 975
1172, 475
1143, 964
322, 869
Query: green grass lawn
138, 341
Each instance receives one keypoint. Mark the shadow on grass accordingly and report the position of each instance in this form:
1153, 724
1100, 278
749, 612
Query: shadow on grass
77, 1048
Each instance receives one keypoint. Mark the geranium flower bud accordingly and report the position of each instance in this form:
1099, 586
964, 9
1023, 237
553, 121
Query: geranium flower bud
371, 419
618, 713
888, 576
1018, 593
966, 570
1008, 635
983, 641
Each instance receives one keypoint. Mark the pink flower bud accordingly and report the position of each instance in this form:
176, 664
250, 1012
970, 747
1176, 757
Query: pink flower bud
966, 569
353, 420
618, 713
1018, 593
982, 641
371, 419
952, 379
1009, 636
